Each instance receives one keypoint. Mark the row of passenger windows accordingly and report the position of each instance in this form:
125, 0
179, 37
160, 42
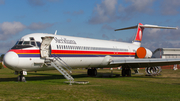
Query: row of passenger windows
88, 48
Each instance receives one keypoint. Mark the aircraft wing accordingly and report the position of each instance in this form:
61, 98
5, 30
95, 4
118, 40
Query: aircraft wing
139, 63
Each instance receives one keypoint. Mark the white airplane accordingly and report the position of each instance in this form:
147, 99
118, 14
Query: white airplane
39, 51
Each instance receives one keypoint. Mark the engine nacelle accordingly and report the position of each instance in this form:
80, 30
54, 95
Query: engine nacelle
143, 53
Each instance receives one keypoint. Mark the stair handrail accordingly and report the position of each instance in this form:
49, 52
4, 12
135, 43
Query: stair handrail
63, 63
66, 75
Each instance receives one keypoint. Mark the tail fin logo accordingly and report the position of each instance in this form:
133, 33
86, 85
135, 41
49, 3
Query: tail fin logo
139, 34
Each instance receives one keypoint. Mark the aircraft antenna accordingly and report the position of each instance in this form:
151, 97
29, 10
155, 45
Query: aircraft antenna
55, 32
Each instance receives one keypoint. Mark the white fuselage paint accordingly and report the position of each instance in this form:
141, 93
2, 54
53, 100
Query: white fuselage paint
76, 52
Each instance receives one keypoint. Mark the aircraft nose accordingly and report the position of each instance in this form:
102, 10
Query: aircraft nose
11, 59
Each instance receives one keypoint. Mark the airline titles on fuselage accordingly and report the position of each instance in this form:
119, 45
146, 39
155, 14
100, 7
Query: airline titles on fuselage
64, 41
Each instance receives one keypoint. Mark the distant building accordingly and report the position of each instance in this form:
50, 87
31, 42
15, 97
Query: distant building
166, 53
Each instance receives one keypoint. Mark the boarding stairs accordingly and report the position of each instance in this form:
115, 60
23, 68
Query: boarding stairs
61, 66
53, 59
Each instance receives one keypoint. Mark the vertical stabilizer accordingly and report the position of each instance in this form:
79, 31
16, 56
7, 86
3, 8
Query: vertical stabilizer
139, 34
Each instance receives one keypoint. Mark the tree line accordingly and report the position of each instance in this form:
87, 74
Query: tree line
1, 59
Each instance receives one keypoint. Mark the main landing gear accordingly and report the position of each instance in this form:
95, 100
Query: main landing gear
126, 72
153, 70
92, 72
21, 77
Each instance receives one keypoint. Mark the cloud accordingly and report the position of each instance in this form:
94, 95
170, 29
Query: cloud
156, 38
152, 34
159, 38
110, 11
10, 28
139, 6
7, 28
135, 7
104, 12
2, 2
5, 46
170, 7
39, 26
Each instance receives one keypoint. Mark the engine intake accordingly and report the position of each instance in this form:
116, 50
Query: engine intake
143, 53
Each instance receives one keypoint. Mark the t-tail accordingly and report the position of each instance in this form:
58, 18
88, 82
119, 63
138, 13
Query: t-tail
140, 28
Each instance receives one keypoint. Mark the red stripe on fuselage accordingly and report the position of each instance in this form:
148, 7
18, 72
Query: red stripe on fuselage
90, 52
73, 52
23, 51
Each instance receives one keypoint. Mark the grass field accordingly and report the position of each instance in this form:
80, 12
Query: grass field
49, 85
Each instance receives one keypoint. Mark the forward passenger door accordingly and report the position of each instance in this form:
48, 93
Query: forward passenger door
45, 48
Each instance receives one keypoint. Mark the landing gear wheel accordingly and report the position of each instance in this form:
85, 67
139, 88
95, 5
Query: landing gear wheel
89, 72
126, 72
92, 72
153, 70
123, 72
21, 77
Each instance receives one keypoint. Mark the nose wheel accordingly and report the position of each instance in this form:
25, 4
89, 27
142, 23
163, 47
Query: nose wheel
21, 77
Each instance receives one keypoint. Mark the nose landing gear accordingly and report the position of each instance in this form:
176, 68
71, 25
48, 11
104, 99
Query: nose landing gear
21, 77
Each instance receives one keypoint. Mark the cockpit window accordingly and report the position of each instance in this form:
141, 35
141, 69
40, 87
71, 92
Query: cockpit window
38, 44
33, 43
31, 38
20, 42
26, 43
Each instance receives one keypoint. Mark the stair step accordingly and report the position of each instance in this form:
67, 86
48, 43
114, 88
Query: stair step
62, 68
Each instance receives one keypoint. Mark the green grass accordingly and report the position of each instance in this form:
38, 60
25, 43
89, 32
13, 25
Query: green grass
49, 85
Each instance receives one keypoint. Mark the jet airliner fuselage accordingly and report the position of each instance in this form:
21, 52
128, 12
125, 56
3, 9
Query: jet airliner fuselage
30, 53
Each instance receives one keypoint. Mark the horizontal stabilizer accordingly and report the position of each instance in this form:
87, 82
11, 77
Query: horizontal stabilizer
155, 26
147, 26
133, 27
140, 27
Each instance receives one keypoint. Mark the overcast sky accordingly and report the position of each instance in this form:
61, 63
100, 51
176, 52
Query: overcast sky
90, 18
